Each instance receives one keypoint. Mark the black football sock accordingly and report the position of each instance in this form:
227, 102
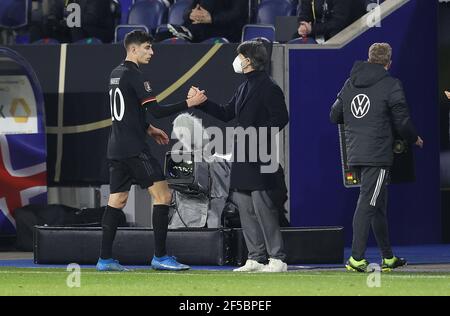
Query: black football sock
160, 228
112, 218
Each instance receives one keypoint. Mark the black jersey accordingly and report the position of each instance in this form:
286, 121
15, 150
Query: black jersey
128, 93
131, 98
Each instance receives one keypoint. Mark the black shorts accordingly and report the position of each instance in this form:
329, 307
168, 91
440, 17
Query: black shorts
143, 170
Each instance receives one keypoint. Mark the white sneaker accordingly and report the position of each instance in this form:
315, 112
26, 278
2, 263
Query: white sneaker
250, 266
275, 265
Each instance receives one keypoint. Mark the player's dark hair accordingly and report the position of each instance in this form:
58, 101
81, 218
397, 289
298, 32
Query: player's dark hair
138, 37
256, 52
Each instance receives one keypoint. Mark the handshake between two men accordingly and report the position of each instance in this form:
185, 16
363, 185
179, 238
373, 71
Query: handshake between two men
196, 97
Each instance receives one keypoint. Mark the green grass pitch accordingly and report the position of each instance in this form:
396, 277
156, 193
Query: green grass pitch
14, 281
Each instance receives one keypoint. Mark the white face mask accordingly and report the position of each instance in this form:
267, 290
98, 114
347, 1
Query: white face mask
237, 65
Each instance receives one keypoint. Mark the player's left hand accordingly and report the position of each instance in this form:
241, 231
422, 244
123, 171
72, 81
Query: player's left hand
158, 135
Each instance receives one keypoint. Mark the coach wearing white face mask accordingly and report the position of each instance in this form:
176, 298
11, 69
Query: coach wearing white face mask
258, 103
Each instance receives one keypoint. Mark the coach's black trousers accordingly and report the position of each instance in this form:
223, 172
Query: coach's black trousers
371, 211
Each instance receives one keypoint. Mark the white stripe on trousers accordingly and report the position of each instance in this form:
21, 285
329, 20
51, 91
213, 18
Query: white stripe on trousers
376, 193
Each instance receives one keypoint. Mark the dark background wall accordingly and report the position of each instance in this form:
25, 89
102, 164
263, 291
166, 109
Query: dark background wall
444, 105
316, 76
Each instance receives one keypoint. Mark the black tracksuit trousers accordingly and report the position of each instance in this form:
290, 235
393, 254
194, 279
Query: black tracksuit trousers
371, 211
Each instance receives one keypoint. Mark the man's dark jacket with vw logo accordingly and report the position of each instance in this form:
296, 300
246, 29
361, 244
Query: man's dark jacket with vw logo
372, 105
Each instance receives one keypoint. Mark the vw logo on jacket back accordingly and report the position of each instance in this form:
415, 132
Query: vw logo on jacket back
360, 106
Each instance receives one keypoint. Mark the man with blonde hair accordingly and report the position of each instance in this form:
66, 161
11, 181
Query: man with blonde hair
372, 105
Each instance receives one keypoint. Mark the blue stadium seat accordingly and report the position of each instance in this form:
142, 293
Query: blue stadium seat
126, 7
251, 31
216, 40
162, 28
176, 12
270, 9
123, 30
150, 13
174, 41
14, 13
46, 41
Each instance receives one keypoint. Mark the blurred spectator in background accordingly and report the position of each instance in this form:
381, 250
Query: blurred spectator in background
216, 18
323, 19
97, 20
48, 21
447, 93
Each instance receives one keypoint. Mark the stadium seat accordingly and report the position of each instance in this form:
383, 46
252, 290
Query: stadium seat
14, 13
46, 41
150, 13
300, 40
125, 6
251, 31
174, 41
162, 28
176, 12
216, 40
123, 30
270, 9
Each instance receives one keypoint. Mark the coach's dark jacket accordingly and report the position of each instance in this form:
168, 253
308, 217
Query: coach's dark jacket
372, 106
340, 14
228, 19
258, 102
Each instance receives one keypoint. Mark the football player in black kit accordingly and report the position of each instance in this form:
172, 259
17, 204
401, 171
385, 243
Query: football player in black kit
131, 97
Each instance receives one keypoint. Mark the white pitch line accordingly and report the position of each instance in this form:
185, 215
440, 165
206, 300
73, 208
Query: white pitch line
289, 274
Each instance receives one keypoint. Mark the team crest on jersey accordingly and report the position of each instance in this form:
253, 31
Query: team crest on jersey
147, 86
